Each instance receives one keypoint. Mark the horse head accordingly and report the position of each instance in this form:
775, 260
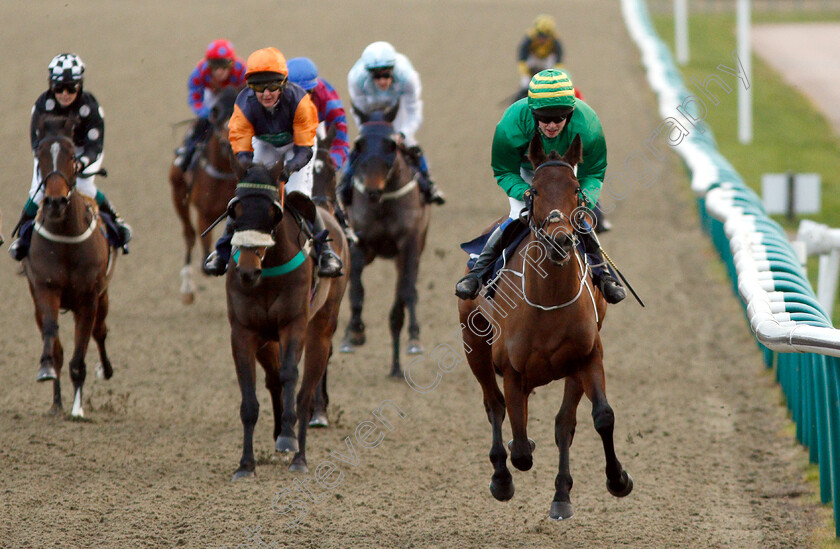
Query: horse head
56, 162
379, 158
255, 211
219, 117
555, 206
323, 167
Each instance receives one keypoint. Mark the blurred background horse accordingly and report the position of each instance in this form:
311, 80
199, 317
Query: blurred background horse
206, 188
391, 220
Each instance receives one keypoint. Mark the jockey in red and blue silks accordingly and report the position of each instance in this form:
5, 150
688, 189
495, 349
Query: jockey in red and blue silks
219, 69
304, 73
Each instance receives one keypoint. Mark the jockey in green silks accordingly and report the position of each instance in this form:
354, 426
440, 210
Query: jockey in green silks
552, 110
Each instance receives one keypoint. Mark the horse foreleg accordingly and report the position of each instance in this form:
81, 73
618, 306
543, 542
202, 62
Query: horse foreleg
180, 199
269, 356
408, 265
100, 332
318, 348
290, 352
84, 318
480, 360
564, 433
244, 346
396, 319
516, 399
619, 483
46, 315
320, 401
355, 333
57, 354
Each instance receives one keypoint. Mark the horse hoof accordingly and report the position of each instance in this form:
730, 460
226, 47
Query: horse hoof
346, 347
319, 420
560, 510
356, 338
56, 410
46, 373
415, 348
298, 467
286, 444
242, 473
104, 371
187, 299
502, 491
397, 373
530, 441
624, 488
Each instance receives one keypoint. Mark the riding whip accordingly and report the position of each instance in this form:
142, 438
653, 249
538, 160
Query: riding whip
218, 220
621, 276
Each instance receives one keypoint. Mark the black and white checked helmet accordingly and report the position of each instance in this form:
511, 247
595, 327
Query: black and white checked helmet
66, 67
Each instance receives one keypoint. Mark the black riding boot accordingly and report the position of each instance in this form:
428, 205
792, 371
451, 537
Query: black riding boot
123, 228
345, 188
349, 233
194, 140
469, 286
20, 247
431, 193
329, 264
216, 263
609, 286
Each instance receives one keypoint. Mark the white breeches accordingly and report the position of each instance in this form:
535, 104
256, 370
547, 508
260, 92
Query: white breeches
268, 154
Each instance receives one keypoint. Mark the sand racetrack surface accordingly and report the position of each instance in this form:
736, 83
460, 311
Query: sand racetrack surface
698, 419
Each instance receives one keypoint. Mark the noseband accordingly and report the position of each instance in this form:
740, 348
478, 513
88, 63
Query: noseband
554, 216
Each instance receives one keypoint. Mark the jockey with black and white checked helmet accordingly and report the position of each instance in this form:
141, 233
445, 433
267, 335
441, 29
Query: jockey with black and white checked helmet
66, 68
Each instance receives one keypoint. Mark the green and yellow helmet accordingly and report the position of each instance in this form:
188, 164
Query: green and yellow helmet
551, 90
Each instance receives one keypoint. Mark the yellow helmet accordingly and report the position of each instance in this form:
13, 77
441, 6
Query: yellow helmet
543, 24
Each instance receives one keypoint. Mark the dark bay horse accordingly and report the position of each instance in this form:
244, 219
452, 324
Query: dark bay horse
391, 219
207, 189
278, 308
69, 263
542, 325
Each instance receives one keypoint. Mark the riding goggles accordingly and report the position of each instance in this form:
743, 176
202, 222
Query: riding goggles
549, 118
220, 63
381, 74
270, 86
69, 87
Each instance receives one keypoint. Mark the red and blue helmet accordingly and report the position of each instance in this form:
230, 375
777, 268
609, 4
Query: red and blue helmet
220, 49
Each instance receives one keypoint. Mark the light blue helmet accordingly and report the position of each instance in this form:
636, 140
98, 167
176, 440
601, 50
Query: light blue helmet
303, 72
379, 55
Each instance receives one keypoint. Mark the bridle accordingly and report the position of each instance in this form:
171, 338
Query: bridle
554, 216
399, 192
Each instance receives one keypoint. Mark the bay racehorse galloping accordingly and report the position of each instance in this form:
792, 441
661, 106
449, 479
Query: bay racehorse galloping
69, 263
278, 308
542, 325
391, 219
207, 189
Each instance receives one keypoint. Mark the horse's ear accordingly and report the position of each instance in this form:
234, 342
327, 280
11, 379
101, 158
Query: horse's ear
238, 169
536, 153
276, 171
69, 124
331, 133
574, 154
363, 117
391, 113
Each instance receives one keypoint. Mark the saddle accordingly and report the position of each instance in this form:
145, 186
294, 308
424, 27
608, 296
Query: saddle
513, 233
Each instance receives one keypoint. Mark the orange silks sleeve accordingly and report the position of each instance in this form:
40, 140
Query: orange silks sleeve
306, 123
240, 131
